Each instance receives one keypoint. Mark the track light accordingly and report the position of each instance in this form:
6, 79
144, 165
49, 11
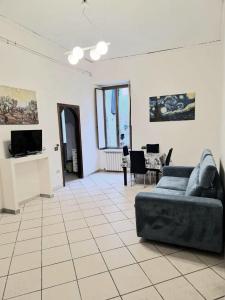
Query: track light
78, 52
102, 48
73, 60
95, 52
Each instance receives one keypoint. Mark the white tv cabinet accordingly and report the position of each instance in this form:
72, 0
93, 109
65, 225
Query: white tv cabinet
24, 178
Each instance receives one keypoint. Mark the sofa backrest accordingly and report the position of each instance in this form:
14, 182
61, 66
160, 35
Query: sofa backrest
204, 154
193, 187
209, 179
205, 180
207, 171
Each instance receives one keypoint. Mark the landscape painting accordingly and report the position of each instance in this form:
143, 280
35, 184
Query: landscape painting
177, 107
17, 106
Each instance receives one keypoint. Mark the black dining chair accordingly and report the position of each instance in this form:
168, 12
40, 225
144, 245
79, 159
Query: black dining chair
152, 148
168, 157
137, 164
125, 151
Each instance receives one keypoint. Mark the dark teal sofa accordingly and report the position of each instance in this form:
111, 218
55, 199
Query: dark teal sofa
185, 208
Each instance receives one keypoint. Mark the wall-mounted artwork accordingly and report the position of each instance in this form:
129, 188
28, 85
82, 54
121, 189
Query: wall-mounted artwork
172, 107
17, 106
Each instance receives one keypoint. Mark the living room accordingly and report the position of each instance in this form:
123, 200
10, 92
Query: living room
80, 241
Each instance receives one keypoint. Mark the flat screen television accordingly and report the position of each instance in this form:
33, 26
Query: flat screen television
25, 142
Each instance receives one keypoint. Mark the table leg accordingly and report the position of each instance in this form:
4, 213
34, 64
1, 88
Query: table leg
125, 175
157, 177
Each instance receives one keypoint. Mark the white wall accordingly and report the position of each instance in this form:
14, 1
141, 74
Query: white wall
53, 83
222, 149
195, 69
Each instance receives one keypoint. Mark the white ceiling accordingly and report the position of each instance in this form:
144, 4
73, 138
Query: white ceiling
132, 26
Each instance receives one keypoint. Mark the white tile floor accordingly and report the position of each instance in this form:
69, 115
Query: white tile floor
82, 245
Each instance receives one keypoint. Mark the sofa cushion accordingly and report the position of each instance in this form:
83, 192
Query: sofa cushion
173, 183
207, 172
193, 187
168, 191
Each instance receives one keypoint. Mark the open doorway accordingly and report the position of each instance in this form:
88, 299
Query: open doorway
70, 142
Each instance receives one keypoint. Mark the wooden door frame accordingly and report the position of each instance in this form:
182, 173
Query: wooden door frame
76, 111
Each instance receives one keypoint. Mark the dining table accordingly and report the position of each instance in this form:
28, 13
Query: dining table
153, 162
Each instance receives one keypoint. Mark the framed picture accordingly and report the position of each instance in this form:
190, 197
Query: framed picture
17, 106
177, 107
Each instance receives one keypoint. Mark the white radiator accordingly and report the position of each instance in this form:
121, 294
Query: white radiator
113, 160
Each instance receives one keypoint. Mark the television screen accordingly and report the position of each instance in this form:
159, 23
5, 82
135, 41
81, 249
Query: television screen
25, 142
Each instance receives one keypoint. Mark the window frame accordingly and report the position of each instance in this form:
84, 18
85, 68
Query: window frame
114, 87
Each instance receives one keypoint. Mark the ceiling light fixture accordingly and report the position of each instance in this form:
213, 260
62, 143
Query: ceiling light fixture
72, 59
78, 52
101, 48
94, 54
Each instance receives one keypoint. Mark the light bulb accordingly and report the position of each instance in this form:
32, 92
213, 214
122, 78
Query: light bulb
73, 60
102, 48
94, 54
78, 52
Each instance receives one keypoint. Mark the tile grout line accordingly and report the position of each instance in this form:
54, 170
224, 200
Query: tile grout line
163, 256
41, 251
221, 297
216, 272
105, 264
185, 277
71, 255
7, 276
115, 233
105, 235
62, 244
117, 267
99, 207
22, 295
143, 269
159, 292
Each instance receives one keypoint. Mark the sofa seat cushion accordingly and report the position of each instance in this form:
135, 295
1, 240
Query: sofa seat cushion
168, 192
173, 183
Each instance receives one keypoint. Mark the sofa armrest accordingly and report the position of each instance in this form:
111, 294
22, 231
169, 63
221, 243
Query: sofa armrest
145, 197
182, 220
177, 171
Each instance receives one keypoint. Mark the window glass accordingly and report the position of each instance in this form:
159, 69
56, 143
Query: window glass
124, 117
111, 115
100, 119
63, 127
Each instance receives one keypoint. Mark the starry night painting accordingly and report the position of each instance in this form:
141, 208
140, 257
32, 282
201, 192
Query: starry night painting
177, 107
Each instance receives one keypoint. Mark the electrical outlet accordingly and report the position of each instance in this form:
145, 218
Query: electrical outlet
56, 148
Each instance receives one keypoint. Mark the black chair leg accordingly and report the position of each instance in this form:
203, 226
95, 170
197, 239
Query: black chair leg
157, 177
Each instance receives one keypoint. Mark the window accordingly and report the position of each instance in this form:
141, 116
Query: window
113, 116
